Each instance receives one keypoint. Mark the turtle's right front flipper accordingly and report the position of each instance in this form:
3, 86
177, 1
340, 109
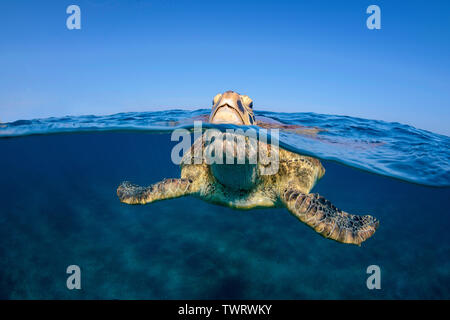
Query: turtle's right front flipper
166, 189
331, 222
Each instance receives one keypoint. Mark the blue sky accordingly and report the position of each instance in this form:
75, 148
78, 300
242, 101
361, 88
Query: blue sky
291, 56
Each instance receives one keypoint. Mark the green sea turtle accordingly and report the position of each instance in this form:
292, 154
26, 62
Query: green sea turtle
242, 186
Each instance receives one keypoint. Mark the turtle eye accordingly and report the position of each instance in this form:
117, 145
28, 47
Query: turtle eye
240, 106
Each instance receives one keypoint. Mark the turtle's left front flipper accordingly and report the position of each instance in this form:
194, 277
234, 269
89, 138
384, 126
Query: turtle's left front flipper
331, 222
166, 189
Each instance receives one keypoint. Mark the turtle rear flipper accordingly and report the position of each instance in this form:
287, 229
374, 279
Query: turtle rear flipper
166, 189
331, 222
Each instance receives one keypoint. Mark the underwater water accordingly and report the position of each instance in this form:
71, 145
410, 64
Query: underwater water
58, 207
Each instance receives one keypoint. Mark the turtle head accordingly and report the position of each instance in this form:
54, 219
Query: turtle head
231, 107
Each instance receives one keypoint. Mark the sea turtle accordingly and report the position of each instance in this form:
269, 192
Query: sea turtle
242, 186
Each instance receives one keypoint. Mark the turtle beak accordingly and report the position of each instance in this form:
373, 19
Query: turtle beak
228, 109
226, 114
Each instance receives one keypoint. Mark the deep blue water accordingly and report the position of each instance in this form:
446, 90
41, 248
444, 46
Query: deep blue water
58, 207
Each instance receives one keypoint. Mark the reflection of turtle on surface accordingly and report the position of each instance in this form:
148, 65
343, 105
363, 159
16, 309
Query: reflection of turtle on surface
258, 120
242, 186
